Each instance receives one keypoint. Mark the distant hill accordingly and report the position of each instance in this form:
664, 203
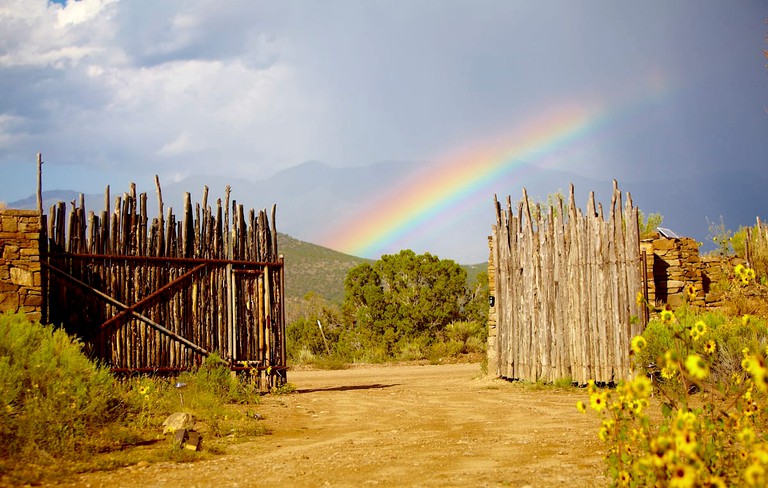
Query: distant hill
312, 268
313, 197
473, 270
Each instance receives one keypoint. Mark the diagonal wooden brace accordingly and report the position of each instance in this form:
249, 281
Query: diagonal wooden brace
130, 310
133, 313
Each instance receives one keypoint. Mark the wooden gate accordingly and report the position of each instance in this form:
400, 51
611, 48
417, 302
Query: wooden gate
566, 287
161, 296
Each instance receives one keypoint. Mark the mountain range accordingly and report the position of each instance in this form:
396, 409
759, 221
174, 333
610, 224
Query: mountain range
314, 198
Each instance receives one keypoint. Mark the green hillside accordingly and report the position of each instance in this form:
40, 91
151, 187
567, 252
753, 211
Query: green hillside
473, 270
313, 268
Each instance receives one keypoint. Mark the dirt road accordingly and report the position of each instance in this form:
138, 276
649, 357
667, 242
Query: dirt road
400, 426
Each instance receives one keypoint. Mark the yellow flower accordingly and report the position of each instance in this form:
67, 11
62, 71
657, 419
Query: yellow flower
746, 436
598, 401
690, 290
696, 367
755, 366
640, 298
670, 359
685, 419
581, 407
682, 476
667, 316
717, 482
698, 330
642, 386
591, 388
743, 455
759, 453
746, 319
739, 270
668, 373
659, 448
754, 475
710, 347
605, 430
144, 390
750, 273
750, 409
639, 405
686, 442
624, 478
638, 344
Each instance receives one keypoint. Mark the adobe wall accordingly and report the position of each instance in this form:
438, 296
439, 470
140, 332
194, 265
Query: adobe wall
20, 276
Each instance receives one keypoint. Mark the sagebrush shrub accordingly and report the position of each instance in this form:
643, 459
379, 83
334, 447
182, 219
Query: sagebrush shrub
51, 394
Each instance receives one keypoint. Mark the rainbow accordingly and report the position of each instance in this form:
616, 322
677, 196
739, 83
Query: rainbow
462, 177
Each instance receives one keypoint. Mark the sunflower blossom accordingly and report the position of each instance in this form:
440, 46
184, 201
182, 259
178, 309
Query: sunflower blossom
696, 366
638, 344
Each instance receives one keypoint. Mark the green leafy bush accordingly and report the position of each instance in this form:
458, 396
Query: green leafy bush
51, 395
472, 335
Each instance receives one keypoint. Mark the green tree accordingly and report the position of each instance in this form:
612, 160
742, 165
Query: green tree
403, 297
303, 332
476, 309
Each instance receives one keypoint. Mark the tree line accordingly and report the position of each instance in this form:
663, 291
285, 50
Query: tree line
404, 306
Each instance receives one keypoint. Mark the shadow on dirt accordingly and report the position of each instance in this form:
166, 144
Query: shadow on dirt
347, 388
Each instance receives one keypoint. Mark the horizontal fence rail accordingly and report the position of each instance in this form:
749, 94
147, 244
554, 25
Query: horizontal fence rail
566, 285
160, 294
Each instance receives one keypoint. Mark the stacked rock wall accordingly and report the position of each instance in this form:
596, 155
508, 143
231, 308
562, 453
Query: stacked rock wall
718, 269
676, 273
20, 275
492, 318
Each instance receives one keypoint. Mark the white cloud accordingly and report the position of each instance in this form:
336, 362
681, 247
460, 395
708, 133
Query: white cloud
181, 145
39, 33
10, 130
251, 87
223, 105
79, 12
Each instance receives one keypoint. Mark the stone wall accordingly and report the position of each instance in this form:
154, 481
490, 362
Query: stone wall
492, 318
718, 269
674, 271
677, 273
20, 276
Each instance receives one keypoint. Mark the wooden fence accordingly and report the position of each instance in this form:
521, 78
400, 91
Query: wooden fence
566, 286
756, 242
160, 294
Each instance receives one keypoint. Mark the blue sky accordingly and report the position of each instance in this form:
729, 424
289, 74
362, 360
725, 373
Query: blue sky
115, 91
